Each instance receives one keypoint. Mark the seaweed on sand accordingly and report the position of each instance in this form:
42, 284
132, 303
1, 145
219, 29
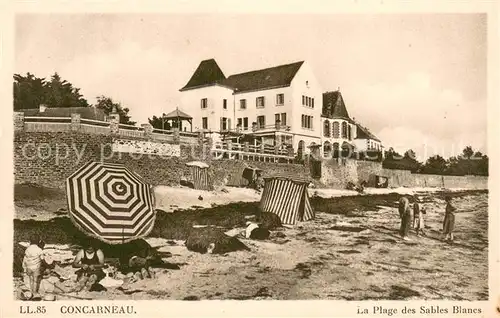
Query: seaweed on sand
200, 239
346, 205
178, 225
401, 292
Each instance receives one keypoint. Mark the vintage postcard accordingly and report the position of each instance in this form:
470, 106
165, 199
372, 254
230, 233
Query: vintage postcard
335, 154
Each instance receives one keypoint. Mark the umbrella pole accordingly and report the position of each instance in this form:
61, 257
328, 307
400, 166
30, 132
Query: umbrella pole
123, 235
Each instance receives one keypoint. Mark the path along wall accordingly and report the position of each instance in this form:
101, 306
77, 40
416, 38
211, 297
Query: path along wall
336, 174
48, 158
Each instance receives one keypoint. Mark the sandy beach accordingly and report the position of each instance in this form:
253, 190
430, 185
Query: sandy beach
350, 251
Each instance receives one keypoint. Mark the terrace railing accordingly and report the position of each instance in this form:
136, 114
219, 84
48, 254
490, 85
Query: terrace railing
268, 153
76, 123
46, 124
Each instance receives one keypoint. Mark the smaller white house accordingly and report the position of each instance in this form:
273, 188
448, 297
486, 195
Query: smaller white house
366, 140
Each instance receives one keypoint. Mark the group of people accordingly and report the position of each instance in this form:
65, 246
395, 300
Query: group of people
91, 274
414, 216
88, 260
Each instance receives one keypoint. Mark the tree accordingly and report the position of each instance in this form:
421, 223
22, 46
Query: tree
159, 122
31, 92
107, 104
435, 165
468, 152
394, 160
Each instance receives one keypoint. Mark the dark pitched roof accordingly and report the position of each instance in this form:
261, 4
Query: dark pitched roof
278, 76
334, 106
92, 113
207, 73
364, 133
178, 114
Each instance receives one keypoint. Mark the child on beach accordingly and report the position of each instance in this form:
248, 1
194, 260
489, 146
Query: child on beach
449, 220
32, 264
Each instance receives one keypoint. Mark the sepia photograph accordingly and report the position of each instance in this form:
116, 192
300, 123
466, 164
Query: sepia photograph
231, 156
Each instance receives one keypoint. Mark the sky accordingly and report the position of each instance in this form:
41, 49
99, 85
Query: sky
417, 81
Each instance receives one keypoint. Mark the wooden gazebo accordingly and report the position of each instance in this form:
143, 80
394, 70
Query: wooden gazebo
178, 116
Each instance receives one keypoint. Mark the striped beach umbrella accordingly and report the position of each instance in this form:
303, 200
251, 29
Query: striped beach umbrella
110, 202
288, 198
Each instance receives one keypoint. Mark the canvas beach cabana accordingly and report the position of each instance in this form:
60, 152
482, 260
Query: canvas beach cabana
287, 197
111, 203
200, 177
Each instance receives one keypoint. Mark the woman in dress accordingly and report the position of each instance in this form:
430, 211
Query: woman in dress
418, 217
405, 215
449, 220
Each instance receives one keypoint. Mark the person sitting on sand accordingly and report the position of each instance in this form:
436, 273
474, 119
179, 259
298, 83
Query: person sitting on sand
32, 264
418, 217
255, 231
90, 262
449, 220
405, 215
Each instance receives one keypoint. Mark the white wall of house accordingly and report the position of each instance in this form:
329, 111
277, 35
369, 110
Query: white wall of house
269, 110
191, 101
367, 144
305, 84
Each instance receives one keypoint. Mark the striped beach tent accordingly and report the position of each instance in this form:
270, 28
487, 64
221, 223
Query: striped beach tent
110, 202
288, 198
199, 173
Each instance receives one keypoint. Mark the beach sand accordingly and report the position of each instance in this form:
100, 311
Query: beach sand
349, 256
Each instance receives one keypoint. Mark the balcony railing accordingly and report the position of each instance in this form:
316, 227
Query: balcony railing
263, 152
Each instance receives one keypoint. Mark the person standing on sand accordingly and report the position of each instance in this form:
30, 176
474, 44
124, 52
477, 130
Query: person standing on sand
418, 217
405, 215
449, 220
33, 263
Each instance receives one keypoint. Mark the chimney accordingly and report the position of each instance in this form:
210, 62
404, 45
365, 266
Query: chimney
42, 108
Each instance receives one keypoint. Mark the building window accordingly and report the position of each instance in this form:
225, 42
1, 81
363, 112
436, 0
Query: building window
307, 122
307, 101
344, 129
280, 99
204, 103
261, 121
240, 122
225, 123
224, 103
204, 122
243, 104
349, 136
336, 130
245, 123
326, 129
277, 118
283, 119
259, 102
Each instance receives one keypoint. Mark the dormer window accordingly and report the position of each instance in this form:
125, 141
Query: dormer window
307, 83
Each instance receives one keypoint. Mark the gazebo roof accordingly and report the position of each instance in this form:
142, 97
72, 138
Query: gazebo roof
177, 114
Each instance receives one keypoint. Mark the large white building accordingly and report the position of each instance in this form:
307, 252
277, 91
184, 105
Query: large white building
283, 104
